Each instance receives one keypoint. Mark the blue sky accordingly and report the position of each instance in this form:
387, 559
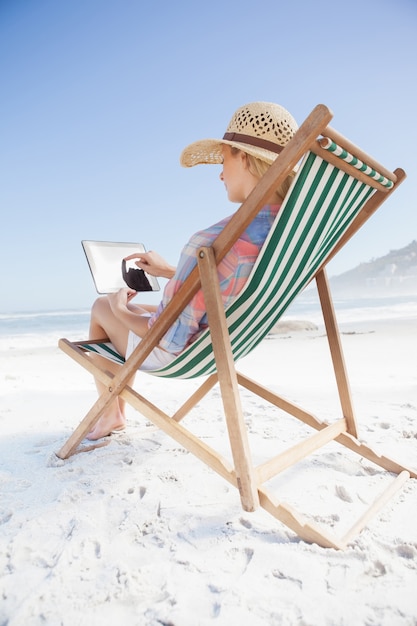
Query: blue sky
99, 97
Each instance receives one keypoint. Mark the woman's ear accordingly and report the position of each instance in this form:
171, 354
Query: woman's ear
244, 158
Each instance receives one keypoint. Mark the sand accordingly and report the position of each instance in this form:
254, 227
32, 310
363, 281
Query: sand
142, 533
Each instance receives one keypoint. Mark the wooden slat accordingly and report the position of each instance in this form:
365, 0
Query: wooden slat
308, 418
182, 435
366, 212
96, 410
365, 451
308, 531
280, 402
175, 430
346, 167
343, 142
304, 448
336, 352
195, 398
385, 497
226, 372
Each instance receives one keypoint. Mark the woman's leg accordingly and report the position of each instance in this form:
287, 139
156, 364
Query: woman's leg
104, 324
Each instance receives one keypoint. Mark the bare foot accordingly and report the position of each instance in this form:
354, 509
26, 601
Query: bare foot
105, 426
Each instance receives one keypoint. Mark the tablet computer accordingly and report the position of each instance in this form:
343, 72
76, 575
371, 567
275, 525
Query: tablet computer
105, 260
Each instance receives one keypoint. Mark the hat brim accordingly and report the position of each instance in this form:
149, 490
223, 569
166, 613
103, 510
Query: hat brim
210, 151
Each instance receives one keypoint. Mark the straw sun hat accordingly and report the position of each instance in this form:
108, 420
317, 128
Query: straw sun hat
261, 129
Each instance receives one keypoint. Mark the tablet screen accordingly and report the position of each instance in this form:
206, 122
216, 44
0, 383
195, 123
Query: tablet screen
105, 262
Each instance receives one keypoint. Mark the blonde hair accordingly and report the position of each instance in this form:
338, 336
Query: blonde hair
257, 167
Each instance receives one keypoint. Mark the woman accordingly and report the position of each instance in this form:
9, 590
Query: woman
254, 138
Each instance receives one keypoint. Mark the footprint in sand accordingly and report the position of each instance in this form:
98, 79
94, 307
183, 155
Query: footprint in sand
377, 569
142, 491
242, 558
343, 493
407, 552
281, 576
5, 516
245, 522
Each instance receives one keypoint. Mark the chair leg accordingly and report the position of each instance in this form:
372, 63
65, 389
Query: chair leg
336, 351
195, 398
245, 475
96, 410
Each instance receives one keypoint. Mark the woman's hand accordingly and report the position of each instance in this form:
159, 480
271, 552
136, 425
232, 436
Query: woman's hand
152, 263
119, 300
133, 317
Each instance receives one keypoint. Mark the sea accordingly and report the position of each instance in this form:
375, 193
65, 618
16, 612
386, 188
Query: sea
42, 329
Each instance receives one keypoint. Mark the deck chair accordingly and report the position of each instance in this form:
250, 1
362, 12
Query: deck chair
336, 189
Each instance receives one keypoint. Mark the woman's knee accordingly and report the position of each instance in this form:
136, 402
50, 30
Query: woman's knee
101, 313
100, 306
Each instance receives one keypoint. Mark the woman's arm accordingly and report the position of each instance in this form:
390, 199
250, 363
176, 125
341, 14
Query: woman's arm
152, 263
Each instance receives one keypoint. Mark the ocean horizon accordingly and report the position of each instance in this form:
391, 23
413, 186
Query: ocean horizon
43, 328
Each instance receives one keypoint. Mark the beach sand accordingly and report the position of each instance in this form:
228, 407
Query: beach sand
140, 532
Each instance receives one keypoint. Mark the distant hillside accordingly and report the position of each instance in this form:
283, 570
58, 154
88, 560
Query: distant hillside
393, 274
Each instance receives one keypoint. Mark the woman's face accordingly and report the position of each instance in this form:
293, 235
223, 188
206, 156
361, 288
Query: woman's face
236, 176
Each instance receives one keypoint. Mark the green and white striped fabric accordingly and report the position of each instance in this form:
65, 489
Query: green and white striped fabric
318, 209
343, 154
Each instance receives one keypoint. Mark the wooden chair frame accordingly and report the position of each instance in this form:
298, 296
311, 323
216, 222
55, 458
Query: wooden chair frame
248, 479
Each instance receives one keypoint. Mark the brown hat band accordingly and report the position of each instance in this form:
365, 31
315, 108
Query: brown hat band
254, 141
